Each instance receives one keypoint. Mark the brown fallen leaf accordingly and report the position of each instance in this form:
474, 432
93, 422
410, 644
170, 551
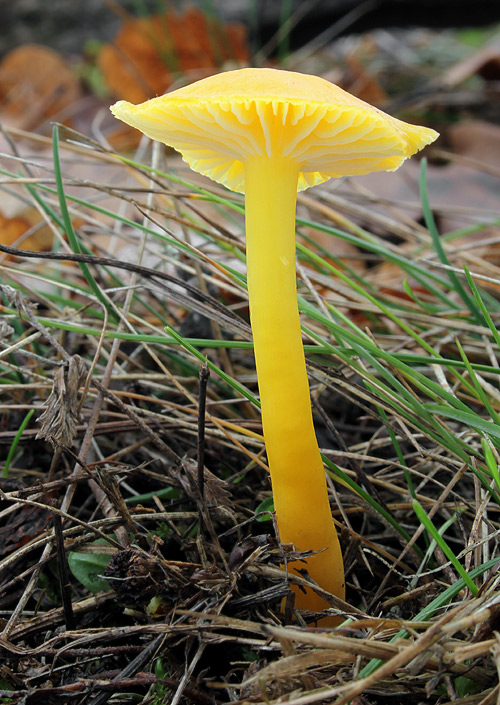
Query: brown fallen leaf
149, 53
476, 139
36, 84
361, 82
12, 230
24, 525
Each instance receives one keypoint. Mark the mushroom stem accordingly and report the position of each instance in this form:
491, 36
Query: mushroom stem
297, 474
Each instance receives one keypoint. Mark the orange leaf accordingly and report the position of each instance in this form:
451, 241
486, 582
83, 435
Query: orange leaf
362, 83
150, 53
35, 84
13, 228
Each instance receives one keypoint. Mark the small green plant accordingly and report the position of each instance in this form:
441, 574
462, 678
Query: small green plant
88, 568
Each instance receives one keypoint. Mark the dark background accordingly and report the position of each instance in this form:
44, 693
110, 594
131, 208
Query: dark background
67, 25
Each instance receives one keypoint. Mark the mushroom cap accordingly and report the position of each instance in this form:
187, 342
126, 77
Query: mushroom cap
223, 120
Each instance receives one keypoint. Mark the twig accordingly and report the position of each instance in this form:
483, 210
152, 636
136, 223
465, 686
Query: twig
64, 579
132, 668
202, 404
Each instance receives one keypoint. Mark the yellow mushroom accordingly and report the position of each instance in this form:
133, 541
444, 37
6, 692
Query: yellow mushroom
268, 133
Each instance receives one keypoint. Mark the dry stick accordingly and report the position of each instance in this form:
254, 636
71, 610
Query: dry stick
202, 405
187, 675
133, 667
203, 512
83, 687
205, 304
479, 530
205, 519
64, 579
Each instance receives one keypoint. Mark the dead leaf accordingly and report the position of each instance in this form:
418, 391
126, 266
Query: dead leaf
12, 230
361, 82
36, 84
61, 415
24, 525
149, 53
476, 139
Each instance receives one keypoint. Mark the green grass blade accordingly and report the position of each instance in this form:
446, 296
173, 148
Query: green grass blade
468, 418
438, 245
68, 227
437, 537
202, 358
15, 442
491, 463
335, 471
482, 307
479, 390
